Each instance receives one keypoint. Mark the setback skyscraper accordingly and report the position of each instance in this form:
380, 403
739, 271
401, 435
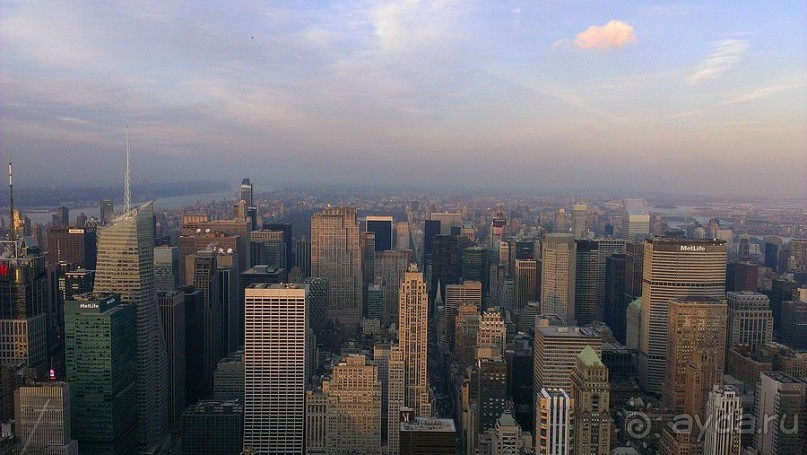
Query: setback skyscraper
558, 271
413, 323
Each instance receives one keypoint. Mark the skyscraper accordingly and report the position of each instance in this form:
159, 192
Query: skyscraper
447, 220
336, 254
101, 357
42, 417
497, 226
382, 227
558, 272
616, 304
302, 256
413, 323
492, 393
107, 211
202, 274
431, 228
696, 328
74, 245
286, 229
555, 354
445, 263
467, 293
172, 316
211, 427
586, 280
274, 372
778, 404
553, 422
724, 415
126, 266
750, 320
246, 192
526, 283
591, 396
402, 236
635, 219
579, 221
390, 269
673, 268
166, 268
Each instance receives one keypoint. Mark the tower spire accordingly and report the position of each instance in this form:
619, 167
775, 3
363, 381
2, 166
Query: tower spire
127, 189
11, 234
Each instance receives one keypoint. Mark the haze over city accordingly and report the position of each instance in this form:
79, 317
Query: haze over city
698, 97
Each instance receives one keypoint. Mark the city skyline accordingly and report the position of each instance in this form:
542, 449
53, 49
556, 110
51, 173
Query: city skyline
556, 97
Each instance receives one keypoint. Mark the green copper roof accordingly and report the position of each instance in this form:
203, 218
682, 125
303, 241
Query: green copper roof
506, 419
589, 357
637, 303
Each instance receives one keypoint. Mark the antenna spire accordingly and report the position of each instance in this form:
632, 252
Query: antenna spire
127, 188
11, 234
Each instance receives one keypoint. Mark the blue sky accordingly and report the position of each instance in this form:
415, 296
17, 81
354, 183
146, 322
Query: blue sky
550, 95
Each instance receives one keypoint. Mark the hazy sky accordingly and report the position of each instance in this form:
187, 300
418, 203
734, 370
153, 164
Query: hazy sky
705, 96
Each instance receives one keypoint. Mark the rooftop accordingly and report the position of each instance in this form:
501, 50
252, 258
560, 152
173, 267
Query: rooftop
426, 424
589, 357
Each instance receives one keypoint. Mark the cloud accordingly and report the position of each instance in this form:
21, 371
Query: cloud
763, 92
613, 35
725, 54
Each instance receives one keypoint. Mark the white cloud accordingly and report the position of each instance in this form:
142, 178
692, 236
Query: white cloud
725, 54
763, 92
613, 35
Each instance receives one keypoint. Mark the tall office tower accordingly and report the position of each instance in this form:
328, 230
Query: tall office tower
771, 253
798, 251
81, 219
375, 299
507, 436
101, 357
368, 257
268, 248
616, 305
426, 436
505, 254
497, 226
724, 416
172, 316
467, 293
396, 396
475, 265
354, 407
107, 211
166, 268
247, 192
431, 228
579, 221
212, 427
390, 269
302, 256
382, 227
591, 395
779, 407
526, 282
794, 327
413, 323
492, 391
318, 305
635, 220
126, 266
742, 276
23, 318
201, 272
232, 305
61, 217
781, 291
465, 335
555, 354
336, 254
200, 233
634, 270
696, 327
381, 354
558, 274
228, 379
402, 236
445, 263
42, 418
606, 247
560, 220
554, 417
491, 337
750, 320
447, 220
673, 268
274, 376
586, 280
74, 245
286, 229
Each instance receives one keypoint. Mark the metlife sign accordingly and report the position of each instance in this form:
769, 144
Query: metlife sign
693, 248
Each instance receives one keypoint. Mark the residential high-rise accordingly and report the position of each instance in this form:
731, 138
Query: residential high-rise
336, 254
586, 281
172, 316
23, 312
413, 323
42, 419
276, 321
126, 266
750, 320
101, 357
673, 268
213, 427
390, 269
382, 227
579, 221
107, 211
166, 268
558, 272
554, 418
724, 418
696, 327
591, 396
635, 219
555, 354
527, 282
779, 407
74, 245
